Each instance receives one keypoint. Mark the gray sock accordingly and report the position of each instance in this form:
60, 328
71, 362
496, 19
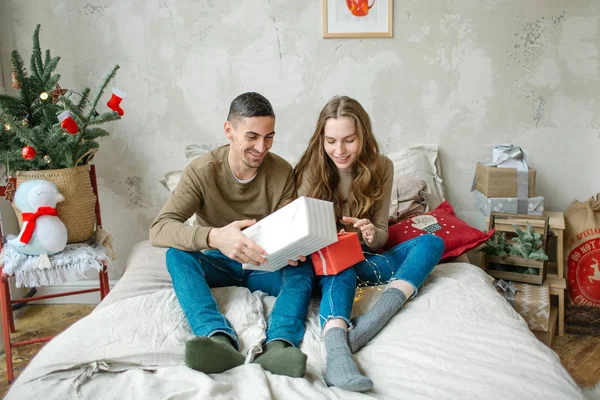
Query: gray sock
368, 325
341, 371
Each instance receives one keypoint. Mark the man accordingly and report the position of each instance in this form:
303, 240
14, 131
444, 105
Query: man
228, 189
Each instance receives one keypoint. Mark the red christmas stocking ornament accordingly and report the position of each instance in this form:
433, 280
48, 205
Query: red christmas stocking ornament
115, 100
67, 122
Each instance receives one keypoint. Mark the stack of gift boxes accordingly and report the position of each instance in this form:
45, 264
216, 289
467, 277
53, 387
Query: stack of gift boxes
507, 185
500, 183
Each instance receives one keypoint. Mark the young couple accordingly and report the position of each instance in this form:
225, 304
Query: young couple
234, 186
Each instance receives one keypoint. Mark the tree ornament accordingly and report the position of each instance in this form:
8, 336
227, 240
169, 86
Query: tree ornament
67, 122
47, 159
15, 81
25, 123
7, 127
56, 93
115, 100
28, 153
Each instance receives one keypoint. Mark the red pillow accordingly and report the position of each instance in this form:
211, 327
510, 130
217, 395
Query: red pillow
458, 236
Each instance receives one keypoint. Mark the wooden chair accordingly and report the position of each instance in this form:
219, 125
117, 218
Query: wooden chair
6, 302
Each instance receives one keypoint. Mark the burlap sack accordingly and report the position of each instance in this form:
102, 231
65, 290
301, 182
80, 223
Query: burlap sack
582, 252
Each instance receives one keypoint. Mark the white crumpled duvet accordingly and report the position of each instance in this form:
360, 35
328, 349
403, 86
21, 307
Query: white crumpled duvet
457, 340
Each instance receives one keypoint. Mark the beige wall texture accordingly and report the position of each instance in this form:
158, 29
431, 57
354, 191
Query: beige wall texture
465, 74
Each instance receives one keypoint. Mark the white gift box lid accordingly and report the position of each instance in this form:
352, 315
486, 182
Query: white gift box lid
298, 229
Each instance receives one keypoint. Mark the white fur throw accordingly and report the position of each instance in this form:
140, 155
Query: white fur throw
71, 264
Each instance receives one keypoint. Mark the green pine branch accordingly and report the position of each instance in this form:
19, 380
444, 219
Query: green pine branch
109, 77
84, 98
104, 117
36, 56
94, 133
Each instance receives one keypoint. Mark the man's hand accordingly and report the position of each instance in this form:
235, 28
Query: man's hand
366, 227
295, 263
234, 244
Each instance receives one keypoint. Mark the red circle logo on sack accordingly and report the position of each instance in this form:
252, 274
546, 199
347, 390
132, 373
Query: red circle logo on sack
584, 273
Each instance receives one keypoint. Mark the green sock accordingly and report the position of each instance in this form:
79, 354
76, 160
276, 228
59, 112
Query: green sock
212, 355
281, 358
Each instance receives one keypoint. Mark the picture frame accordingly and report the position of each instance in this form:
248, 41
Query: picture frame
357, 18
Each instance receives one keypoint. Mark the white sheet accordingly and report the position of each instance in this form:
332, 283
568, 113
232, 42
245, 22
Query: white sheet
457, 340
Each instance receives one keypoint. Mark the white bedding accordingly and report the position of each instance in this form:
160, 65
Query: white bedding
457, 340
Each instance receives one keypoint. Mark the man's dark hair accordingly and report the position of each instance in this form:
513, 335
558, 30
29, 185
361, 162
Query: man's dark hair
250, 104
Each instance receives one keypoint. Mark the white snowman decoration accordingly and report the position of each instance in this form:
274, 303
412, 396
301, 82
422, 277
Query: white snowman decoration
42, 232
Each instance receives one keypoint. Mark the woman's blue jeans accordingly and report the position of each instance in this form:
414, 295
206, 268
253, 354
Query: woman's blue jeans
194, 273
410, 261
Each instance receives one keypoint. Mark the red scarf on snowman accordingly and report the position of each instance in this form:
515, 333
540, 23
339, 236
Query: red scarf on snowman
31, 217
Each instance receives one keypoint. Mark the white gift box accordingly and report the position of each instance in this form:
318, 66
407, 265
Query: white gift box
298, 229
487, 205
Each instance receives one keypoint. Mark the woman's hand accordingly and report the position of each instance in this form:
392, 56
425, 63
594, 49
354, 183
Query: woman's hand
295, 263
366, 227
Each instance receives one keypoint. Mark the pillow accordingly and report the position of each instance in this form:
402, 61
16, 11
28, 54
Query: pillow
443, 222
421, 162
171, 178
406, 200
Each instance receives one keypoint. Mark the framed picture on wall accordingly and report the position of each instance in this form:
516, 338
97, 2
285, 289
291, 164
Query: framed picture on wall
357, 18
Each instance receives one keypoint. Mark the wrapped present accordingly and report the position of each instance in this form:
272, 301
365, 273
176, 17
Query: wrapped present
498, 179
509, 156
487, 205
502, 182
338, 256
531, 301
298, 229
507, 289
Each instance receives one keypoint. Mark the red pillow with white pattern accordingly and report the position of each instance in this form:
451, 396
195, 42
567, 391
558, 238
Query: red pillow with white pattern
458, 236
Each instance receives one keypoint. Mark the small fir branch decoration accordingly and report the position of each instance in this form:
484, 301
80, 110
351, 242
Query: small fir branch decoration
497, 245
528, 244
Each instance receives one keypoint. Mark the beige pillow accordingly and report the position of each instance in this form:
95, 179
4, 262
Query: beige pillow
421, 162
171, 178
407, 198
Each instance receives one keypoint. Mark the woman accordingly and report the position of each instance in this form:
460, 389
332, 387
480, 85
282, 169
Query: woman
342, 164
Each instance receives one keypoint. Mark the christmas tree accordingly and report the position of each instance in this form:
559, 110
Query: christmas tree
45, 126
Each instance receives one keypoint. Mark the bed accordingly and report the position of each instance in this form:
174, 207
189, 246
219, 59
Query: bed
458, 339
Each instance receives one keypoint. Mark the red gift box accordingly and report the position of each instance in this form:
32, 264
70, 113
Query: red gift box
341, 255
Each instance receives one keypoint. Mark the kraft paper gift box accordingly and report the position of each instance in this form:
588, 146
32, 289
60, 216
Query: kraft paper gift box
300, 228
501, 182
338, 256
487, 205
533, 303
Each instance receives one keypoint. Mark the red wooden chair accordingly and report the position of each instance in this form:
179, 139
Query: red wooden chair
6, 301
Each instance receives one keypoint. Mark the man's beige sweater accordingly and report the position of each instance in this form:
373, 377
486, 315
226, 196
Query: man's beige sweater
209, 189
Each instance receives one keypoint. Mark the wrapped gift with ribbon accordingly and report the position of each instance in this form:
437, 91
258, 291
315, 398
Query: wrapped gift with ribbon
508, 156
337, 257
507, 289
531, 301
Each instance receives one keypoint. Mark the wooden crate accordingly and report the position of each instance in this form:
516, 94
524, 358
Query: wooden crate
500, 182
504, 223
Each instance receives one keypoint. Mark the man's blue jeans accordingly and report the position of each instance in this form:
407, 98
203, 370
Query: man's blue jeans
411, 261
194, 273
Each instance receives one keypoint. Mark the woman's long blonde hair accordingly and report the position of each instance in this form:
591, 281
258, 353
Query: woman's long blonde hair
367, 171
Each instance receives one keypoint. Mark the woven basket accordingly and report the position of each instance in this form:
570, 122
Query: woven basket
78, 210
